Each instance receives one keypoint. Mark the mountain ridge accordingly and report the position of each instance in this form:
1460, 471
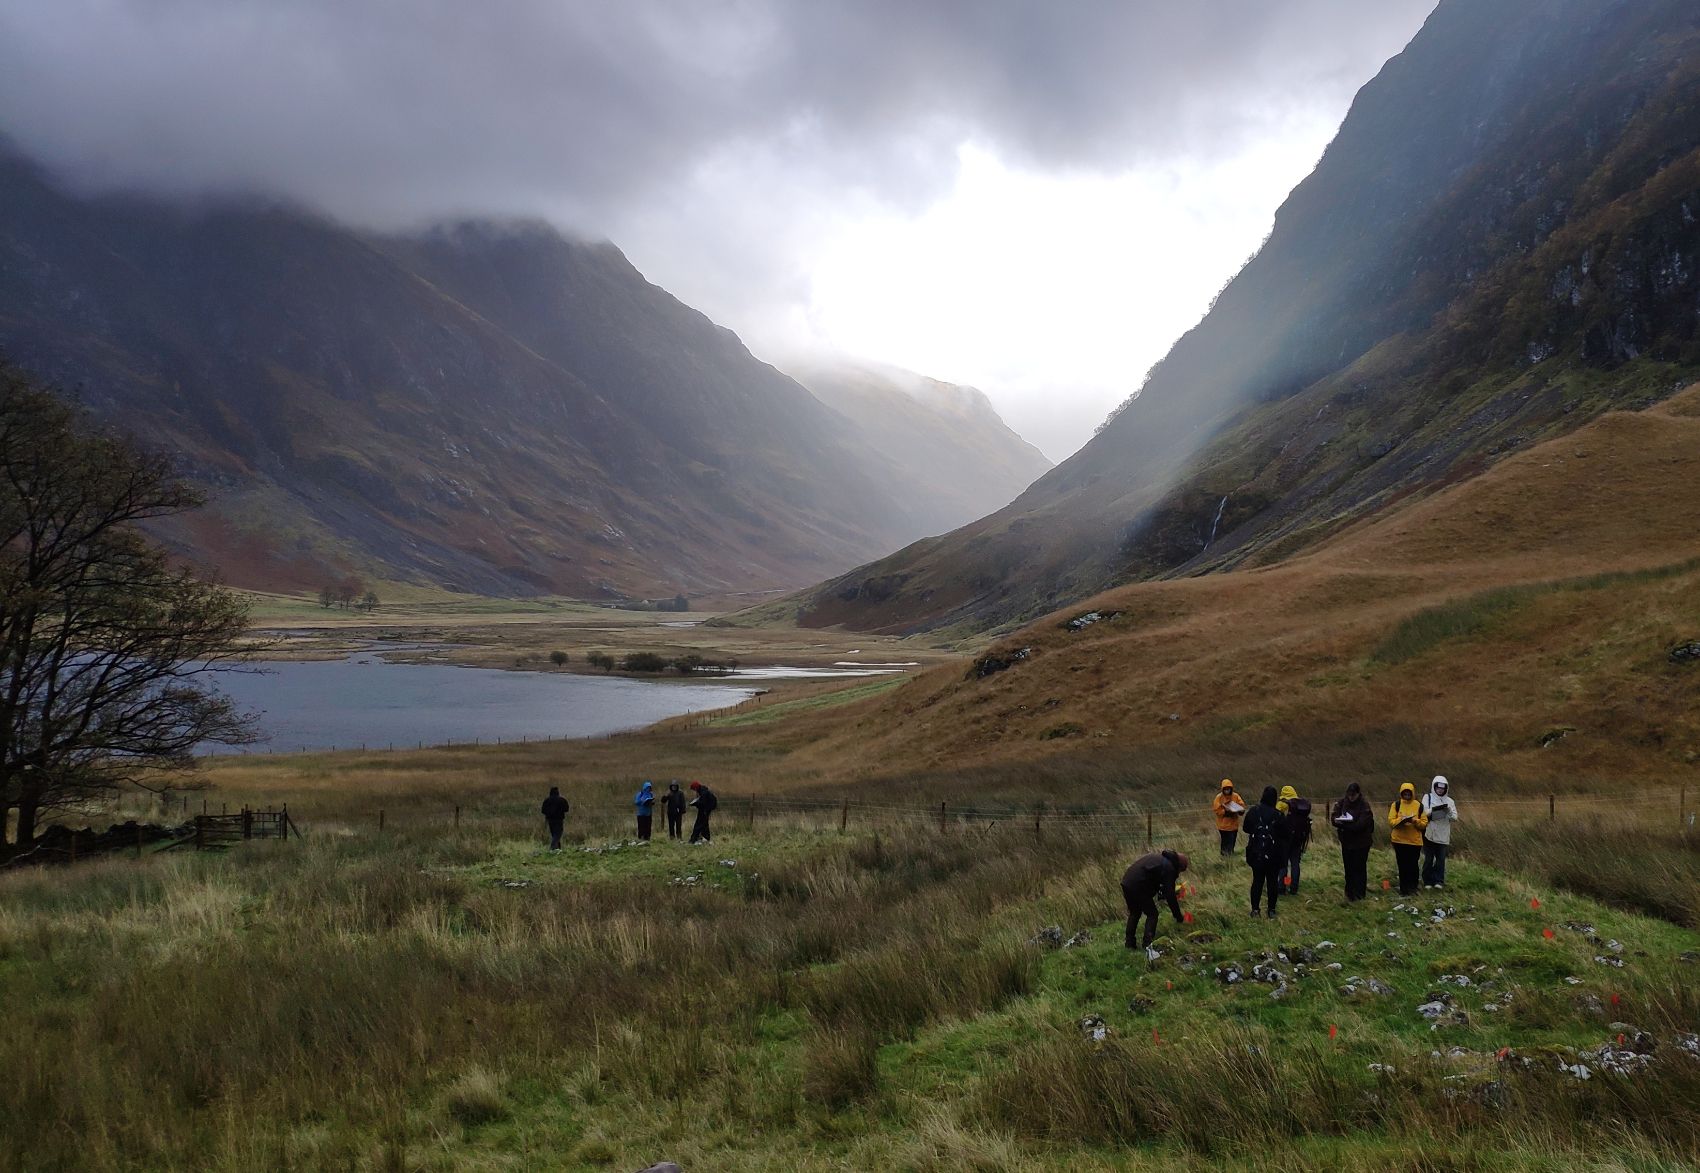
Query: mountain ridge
1409, 320
490, 408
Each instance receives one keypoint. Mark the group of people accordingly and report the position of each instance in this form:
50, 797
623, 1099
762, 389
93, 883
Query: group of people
673, 805
1277, 829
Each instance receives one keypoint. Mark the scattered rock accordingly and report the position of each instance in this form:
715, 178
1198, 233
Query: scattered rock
1688, 957
1138, 1005
1456, 979
1591, 1004
1434, 1010
1081, 622
1383, 1069
1322, 945
994, 662
1267, 974
513, 883
1572, 981
1586, 930
1092, 1026
1685, 652
728, 863
1334, 967
1281, 990
1688, 1044
1615, 946
1356, 984
1579, 1070
1305, 955
1229, 973
1084, 936
1614, 962
1203, 937
663, 1167
1049, 937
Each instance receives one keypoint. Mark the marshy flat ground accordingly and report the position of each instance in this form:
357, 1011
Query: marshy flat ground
794, 997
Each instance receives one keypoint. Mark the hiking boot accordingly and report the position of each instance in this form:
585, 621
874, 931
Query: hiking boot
1271, 914
1256, 913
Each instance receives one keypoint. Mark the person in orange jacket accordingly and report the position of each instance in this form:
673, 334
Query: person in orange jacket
1407, 818
1229, 808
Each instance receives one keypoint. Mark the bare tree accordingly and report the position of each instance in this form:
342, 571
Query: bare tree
105, 649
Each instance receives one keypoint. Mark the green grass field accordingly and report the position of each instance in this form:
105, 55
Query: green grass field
431, 999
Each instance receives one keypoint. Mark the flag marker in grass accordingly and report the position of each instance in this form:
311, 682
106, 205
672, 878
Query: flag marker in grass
1385, 885
1155, 1041
1547, 933
1614, 999
1186, 918
1332, 1031
1534, 903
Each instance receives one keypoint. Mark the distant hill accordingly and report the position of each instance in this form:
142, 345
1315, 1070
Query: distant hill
1530, 621
948, 434
491, 408
1502, 242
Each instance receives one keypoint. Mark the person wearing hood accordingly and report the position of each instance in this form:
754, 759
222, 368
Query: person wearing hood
1354, 823
1265, 849
705, 802
555, 816
645, 803
1405, 815
1442, 814
1296, 811
1229, 808
673, 804
1150, 877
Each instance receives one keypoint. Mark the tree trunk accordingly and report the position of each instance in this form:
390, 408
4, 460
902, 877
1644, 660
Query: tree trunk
27, 803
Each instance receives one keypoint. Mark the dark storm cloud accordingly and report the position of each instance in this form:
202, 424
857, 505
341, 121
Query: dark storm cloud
389, 111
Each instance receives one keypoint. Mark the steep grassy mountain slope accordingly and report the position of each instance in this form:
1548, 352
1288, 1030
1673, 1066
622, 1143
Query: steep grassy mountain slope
1501, 242
494, 409
1518, 624
951, 431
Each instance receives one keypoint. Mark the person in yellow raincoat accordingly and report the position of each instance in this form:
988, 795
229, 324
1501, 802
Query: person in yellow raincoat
1229, 808
1407, 818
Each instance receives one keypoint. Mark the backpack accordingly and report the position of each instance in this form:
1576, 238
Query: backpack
1298, 821
1260, 836
706, 802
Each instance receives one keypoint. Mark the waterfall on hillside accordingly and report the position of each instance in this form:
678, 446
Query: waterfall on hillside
1215, 523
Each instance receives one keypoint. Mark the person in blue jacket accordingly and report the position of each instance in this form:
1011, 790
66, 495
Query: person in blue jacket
645, 803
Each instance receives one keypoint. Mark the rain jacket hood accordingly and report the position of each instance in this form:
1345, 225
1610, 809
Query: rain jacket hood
1358, 831
1227, 820
1442, 812
1407, 817
645, 796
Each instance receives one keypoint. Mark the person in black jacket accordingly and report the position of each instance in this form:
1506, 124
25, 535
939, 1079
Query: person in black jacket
555, 815
1265, 849
1354, 823
705, 802
673, 805
1296, 810
1151, 876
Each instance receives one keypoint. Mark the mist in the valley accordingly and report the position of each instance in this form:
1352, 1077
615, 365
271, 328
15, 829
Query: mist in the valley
722, 144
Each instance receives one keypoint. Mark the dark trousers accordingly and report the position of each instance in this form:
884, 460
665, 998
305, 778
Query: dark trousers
1355, 860
644, 824
1409, 856
1264, 875
675, 821
555, 826
699, 829
1434, 862
1290, 871
1140, 904
1229, 838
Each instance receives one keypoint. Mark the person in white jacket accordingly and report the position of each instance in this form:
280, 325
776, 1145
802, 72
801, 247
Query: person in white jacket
1442, 813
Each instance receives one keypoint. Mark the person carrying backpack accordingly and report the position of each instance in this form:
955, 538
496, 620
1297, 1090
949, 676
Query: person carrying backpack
1265, 847
1442, 814
673, 803
705, 802
1296, 812
1407, 819
555, 816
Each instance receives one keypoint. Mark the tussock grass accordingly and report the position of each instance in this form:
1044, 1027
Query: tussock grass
1652, 870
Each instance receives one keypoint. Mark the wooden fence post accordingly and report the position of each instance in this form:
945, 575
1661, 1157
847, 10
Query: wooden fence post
941, 818
1552, 806
752, 821
285, 822
247, 823
457, 816
1148, 828
844, 817
380, 818
1038, 826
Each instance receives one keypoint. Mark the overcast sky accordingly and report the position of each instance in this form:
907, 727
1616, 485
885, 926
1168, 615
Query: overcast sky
1034, 196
